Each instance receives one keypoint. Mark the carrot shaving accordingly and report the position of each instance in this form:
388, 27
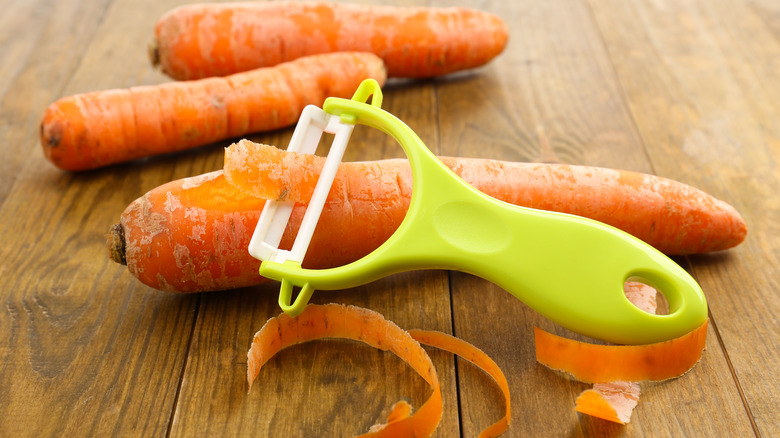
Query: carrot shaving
476, 356
617, 368
615, 401
350, 322
605, 363
611, 401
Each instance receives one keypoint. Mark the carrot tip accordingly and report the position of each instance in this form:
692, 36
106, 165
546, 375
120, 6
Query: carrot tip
115, 240
153, 50
51, 132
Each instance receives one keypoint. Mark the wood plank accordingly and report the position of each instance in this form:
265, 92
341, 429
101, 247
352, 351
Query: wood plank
40, 48
86, 349
701, 81
682, 89
564, 87
327, 388
546, 98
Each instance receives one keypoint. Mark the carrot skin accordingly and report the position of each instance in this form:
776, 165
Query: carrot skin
593, 363
673, 217
369, 327
203, 40
96, 129
192, 234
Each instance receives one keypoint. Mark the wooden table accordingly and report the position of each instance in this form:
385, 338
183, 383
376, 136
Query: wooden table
683, 89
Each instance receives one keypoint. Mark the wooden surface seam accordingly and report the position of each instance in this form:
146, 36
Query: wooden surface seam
688, 90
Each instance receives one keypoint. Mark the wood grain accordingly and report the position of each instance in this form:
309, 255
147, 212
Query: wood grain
323, 388
683, 89
36, 40
551, 94
588, 124
700, 82
86, 350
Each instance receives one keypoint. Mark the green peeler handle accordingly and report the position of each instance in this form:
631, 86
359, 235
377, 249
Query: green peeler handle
568, 268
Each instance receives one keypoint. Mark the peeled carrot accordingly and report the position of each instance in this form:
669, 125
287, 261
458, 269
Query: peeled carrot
95, 129
673, 217
202, 40
350, 322
192, 234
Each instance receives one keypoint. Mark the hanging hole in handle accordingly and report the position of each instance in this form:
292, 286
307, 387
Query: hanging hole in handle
647, 297
369, 89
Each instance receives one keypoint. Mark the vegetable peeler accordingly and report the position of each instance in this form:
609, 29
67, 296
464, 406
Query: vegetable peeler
568, 268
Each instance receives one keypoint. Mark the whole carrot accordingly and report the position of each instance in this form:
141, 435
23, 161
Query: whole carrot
201, 40
192, 234
95, 129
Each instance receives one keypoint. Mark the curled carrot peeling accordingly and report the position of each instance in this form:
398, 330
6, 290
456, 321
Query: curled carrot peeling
616, 369
612, 401
606, 363
615, 401
476, 356
350, 322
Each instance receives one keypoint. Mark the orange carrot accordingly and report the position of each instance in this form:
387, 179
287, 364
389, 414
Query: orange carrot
642, 296
202, 40
350, 322
95, 129
673, 217
192, 234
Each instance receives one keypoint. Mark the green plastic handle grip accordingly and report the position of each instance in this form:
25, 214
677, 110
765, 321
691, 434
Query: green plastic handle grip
568, 268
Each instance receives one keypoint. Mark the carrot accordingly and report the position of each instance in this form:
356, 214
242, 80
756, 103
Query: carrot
642, 296
95, 129
202, 40
192, 234
350, 322
673, 217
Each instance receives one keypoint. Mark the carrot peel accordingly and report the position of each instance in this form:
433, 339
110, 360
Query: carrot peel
611, 401
591, 363
614, 367
350, 322
477, 357
615, 401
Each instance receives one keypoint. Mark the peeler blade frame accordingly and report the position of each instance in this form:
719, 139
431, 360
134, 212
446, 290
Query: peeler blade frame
264, 244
